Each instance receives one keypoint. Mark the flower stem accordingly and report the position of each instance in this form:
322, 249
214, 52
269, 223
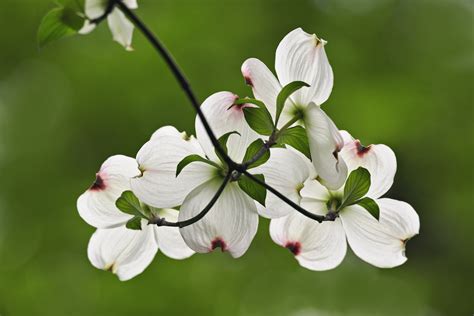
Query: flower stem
200, 215
177, 72
318, 218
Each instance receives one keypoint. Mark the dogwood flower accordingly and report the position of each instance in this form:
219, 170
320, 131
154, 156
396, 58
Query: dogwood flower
113, 247
301, 57
322, 246
231, 223
120, 26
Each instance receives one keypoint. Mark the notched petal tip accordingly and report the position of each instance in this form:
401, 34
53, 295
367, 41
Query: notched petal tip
218, 242
361, 149
110, 268
294, 247
248, 81
99, 183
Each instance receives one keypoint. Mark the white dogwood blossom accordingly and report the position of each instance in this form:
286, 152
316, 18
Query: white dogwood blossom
301, 57
120, 26
114, 247
231, 223
322, 246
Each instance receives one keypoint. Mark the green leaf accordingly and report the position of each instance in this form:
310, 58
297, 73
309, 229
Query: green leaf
370, 205
135, 223
192, 158
259, 119
252, 150
254, 190
130, 204
223, 141
357, 185
297, 138
285, 93
57, 24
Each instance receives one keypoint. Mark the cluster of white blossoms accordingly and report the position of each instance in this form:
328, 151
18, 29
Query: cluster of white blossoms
289, 143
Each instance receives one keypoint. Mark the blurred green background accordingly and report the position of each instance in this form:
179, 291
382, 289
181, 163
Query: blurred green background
403, 77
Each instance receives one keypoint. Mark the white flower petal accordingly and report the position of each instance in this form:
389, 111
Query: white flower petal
301, 57
312, 172
399, 217
231, 224
325, 142
371, 240
265, 86
121, 28
286, 172
224, 118
167, 130
131, 4
87, 27
158, 160
315, 197
170, 241
379, 160
123, 251
316, 246
94, 8
97, 205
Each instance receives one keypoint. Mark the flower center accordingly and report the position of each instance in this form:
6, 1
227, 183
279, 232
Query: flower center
298, 111
333, 205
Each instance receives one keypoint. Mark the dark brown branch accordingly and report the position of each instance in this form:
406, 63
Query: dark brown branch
318, 218
178, 74
187, 222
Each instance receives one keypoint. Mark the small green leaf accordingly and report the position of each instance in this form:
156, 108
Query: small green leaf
370, 205
285, 93
223, 141
57, 24
296, 137
135, 223
357, 185
259, 119
254, 190
252, 150
129, 203
192, 158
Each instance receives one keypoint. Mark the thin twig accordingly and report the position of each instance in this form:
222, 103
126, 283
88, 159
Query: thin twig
179, 75
200, 215
318, 218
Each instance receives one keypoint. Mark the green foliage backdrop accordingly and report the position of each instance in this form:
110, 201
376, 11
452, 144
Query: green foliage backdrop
403, 77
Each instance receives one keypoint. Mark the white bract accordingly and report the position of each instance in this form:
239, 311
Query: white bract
120, 26
301, 57
114, 247
378, 242
232, 222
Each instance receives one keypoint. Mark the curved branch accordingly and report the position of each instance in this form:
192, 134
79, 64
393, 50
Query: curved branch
200, 215
179, 75
318, 218
108, 9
